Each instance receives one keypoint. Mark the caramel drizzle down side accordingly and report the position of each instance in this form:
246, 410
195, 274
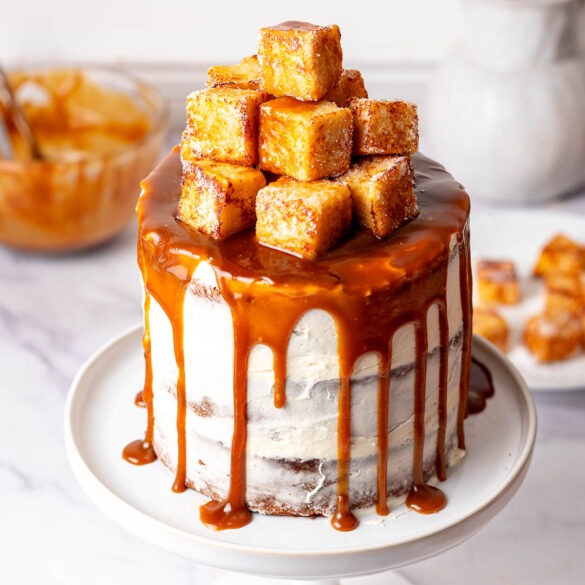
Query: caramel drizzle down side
141, 452
385, 361
233, 512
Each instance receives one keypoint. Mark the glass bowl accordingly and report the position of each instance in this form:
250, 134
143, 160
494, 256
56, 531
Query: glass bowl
85, 188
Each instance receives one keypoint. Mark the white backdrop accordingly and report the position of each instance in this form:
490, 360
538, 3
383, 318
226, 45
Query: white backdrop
213, 31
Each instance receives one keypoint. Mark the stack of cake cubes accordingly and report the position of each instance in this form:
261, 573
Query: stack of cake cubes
290, 142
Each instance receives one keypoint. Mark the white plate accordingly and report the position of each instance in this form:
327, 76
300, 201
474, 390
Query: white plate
519, 236
101, 418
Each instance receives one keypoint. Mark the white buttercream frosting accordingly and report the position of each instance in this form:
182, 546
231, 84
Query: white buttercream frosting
305, 429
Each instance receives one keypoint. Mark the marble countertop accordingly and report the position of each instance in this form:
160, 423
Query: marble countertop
56, 311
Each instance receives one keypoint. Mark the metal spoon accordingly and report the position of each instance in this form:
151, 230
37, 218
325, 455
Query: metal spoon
20, 122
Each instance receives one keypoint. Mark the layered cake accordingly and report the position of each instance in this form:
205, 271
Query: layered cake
307, 318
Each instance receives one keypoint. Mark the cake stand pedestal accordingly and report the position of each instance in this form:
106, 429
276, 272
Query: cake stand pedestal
101, 418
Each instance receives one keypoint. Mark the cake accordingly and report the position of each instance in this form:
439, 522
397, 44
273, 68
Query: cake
305, 384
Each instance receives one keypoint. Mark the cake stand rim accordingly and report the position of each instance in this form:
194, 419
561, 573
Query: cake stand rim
211, 551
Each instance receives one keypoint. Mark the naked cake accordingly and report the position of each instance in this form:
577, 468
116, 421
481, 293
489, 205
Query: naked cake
307, 319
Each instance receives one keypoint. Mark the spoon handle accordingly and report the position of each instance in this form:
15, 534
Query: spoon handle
20, 121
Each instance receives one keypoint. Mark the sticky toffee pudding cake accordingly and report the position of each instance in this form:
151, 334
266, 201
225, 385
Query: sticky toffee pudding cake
316, 376
288, 386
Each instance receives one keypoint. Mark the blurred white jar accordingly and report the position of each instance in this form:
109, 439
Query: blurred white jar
506, 112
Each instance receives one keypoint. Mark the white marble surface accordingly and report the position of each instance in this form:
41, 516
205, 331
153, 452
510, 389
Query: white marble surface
55, 311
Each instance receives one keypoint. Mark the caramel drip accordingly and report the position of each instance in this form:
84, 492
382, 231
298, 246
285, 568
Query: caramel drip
141, 452
279, 378
147, 389
421, 498
371, 288
465, 287
481, 387
233, 512
139, 400
443, 382
383, 400
178, 329
343, 519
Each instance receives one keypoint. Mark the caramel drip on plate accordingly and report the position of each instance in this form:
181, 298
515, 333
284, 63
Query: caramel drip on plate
481, 387
141, 452
370, 288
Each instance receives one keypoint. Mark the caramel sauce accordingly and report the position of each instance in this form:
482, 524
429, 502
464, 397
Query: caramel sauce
96, 145
481, 387
139, 400
371, 288
382, 439
139, 452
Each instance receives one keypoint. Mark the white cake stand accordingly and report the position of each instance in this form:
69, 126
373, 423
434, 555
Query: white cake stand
101, 418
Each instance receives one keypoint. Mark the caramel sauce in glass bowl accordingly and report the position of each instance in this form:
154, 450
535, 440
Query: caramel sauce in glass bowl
100, 131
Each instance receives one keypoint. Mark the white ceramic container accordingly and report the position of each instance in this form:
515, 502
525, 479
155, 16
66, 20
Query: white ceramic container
506, 111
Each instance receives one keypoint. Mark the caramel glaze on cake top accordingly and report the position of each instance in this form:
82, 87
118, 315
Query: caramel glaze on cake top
370, 287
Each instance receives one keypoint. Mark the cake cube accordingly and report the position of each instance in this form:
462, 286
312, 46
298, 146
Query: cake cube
560, 254
497, 282
351, 84
552, 338
304, 219
222, 124
299, 59
243, 75
564, 292
217, 198
384, 127
488, 323
305, 141
382, 192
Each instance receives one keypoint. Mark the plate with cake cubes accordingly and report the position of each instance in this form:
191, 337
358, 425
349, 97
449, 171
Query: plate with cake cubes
529, 277
307, 340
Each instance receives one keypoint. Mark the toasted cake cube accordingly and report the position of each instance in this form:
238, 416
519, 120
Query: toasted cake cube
497, 282
382, 192
565, 293
217, 198
222, 124
305, 141
304, 219
384, 127
552, 338
243, 75
560, 254
351, 84
299, 59
488, 323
